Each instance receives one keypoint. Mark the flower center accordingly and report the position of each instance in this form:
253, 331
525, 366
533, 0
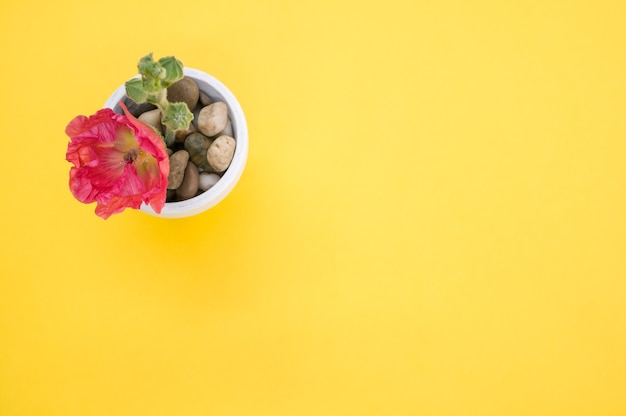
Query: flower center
131, 156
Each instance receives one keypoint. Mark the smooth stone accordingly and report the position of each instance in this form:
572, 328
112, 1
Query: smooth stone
181, 135
207, 180
205, 99
152, 118
189, 186
221, 153
169, 151
196, 114
184, 91
137, 109
213, 118
178, 164
197, 144
228, 130
170, 195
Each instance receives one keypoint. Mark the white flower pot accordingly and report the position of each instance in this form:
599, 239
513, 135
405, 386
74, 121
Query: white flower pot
208, 199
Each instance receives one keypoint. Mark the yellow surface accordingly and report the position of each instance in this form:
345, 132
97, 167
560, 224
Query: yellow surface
432, 220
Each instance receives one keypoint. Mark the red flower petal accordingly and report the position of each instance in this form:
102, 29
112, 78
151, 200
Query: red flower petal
153, 145
118, 204
118, 162
81, 124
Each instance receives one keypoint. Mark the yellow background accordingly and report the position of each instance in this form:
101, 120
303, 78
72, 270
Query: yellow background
432, 220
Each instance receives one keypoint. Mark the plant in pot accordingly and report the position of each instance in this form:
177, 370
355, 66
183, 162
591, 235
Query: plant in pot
171, 141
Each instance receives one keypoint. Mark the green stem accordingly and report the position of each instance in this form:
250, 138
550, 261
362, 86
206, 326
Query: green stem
170, 136
163, 103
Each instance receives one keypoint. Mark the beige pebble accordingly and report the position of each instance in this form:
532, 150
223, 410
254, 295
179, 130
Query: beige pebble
212, 119
221, 153
228, 130
152, 118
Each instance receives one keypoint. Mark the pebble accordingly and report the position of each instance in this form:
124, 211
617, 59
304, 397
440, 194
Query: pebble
137, 109
207, 180
208, 144
189, 185
185, 91
170, 195
152, 118
178, 163
181, 135
205, 99
228, 130
212, 119
197, 144
221, 152
196, 114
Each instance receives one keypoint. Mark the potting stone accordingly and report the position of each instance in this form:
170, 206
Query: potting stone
205, 99
189, 185
178, 163
184, 91
152, 118
197, 144
228, 130
221, 152
181, 135
212, 119
137, 109
207, 180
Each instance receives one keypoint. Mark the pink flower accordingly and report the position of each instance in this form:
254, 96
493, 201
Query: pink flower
118, 162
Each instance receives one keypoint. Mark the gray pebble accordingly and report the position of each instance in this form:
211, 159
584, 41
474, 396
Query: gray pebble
196, 114
137, 109
205, 99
